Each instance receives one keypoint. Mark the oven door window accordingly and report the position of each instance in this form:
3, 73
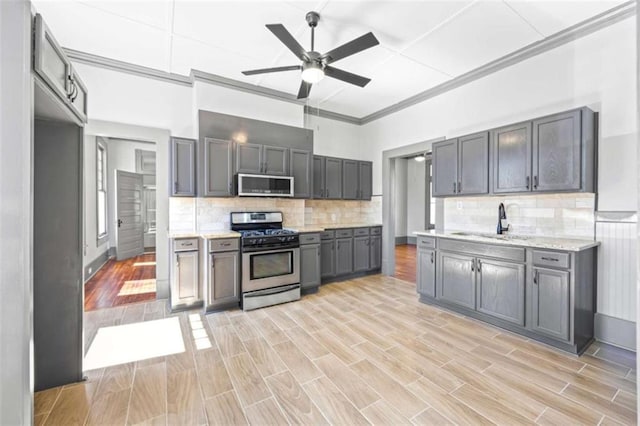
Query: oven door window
271, 264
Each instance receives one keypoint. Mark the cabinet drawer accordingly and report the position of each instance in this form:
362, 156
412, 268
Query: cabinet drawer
344, 233
426, 242
359, 232
376, 230
226, 244
310, 239
327, 235
185, 244
551, 258
481, 249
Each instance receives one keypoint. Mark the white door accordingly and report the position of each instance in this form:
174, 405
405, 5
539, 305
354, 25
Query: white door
130, 237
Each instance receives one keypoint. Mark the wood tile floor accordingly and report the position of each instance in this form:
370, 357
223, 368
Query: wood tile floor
357, 352
406, 262
103, 290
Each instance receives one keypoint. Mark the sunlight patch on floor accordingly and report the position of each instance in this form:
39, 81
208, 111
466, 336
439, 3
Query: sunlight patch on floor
138, 287
200, 337
144, 264
121, 344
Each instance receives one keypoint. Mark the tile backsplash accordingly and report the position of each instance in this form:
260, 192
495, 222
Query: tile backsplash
212, 214
551, 215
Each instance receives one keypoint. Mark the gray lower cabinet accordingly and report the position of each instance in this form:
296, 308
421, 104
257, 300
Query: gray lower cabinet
511, 148
310, 267
185, 281
216, 168
375, 252
426, 272
183, 167
550, 307
350, 185
223, 284
445, 167
301, 170
254, 158
501, 289
327, 258
344, 256
361, 253
456, 279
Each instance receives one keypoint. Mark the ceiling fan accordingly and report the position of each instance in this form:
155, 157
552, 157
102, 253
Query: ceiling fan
315, 65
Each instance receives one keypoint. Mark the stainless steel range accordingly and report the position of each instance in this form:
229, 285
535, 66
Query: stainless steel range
270, 259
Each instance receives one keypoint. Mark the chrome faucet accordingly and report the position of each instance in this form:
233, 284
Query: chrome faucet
502, 215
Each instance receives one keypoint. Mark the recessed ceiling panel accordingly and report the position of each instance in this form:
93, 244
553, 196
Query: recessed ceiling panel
92, 30
482, 33
549, 17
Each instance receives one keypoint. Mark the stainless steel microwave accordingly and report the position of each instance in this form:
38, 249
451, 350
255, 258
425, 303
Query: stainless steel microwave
264, 185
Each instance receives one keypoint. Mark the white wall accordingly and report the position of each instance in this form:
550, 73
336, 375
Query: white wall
335, 138
16, 217
597, 71
416, 180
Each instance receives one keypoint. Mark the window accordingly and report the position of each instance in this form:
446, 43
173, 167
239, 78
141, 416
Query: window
430, 202
101, 196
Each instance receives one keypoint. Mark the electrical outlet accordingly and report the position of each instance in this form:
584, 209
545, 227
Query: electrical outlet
459, 205
90, 271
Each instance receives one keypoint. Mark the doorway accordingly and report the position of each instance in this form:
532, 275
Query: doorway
120, 268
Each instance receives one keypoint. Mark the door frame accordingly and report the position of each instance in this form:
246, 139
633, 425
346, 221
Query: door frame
389, 158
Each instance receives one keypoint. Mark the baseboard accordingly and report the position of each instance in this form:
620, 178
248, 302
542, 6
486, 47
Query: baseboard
615, 331
112, 252
95, 265
401, 240
412, 241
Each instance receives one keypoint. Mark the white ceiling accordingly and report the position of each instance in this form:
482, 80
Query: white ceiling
422, 43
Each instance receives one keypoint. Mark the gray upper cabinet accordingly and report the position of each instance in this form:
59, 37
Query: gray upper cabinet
344, 256
361, 254
550, 303
445, 168
350, 185
511, 147
456, 279
426, 272
375, 252
301, 170
224, 278
500, 291
78, 96
318, 176
183, 167
333, 178
310, 265
365, 177
262, 159
217, 168
557, 151
328, 258
473, 164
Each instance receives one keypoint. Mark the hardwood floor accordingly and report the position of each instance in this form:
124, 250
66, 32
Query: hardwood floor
357, 352
406, 263
122, 282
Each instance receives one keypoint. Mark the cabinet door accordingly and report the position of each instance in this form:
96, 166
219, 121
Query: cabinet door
185, 289
50, 62
218, 168
511, 147
557, 152
365, 178
361, 254
78, 96
375, 252
224, 278
301, 172
456, 279
183, 167
275, 160
333, 178
328, 258
473, 164
350, 185
445, 167
318, 176
501, 290
310, 265
344, 256
249, 158
550, 303
426, 272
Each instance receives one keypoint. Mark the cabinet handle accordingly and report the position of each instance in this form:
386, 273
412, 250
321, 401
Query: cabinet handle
225, 244
535, 277
213, 261
459, 187
327, 193
187, 244
230, 189
535, 182
527, 183
479, 265
454, 187
431, 257
175, 187
551, 259
473, 265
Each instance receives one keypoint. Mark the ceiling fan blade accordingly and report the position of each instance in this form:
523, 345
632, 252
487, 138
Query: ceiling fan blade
305, 89
285, 37
358, 80
276, 69
354, 46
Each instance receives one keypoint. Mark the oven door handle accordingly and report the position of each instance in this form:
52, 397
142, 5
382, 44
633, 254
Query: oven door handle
270, 291
278, 250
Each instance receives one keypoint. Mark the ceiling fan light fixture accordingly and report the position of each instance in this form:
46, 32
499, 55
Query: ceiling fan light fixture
420, 158
312, 72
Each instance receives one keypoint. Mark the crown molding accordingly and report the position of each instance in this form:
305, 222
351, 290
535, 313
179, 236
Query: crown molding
584, 28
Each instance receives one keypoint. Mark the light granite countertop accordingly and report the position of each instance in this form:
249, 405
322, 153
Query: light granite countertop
515, 240
209, 235
325, 226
